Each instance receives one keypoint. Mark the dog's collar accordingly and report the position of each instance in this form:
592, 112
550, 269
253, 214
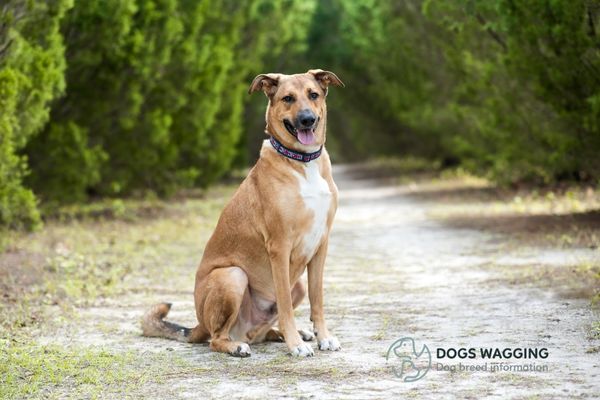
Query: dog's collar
293, 154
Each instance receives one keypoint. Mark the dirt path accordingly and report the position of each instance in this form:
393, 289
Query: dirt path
392, 272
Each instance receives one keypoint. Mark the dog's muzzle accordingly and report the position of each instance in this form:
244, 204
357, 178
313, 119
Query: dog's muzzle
304, 128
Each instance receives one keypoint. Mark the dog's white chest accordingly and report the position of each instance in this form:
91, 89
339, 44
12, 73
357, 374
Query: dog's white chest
316, 195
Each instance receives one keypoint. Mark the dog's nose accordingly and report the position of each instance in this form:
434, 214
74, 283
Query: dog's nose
306, 118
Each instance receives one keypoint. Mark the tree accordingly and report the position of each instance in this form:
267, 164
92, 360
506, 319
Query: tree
155, 94
31, 75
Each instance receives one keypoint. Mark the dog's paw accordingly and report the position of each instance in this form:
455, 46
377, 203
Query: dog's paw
243, 350
330, 343
307, 336
302, 350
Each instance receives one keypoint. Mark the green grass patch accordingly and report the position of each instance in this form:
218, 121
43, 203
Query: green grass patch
37, 371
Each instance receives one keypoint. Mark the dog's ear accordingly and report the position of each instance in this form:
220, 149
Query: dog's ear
326, 78
265, 82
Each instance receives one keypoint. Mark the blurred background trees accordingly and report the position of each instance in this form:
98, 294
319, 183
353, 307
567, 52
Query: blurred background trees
32, 67
121, 97
508, 89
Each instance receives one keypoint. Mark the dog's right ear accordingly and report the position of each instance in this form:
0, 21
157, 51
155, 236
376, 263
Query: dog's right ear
265, 82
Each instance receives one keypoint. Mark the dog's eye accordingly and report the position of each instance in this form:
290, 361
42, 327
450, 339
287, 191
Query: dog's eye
313, 95
288, 99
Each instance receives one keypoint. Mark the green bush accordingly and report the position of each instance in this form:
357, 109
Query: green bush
31, 75
154, 100
156, 93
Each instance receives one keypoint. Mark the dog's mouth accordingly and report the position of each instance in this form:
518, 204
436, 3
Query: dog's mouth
305, 136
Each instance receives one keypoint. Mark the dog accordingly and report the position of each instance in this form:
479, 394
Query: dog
274, 228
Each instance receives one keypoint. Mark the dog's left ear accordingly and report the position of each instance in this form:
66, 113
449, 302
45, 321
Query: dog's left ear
265, 82
326, 78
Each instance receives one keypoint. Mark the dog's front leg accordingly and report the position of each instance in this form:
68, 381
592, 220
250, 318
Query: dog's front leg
280, 266
315, 295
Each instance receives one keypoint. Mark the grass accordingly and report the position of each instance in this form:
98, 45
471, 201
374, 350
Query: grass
36, 371
63, 280
403, 165
86, 277
29, 370
486, 199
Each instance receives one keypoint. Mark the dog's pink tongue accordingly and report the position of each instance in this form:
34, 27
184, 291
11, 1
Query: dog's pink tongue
306, 136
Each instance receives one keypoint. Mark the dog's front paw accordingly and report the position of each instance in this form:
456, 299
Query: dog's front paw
331, 343
302, 350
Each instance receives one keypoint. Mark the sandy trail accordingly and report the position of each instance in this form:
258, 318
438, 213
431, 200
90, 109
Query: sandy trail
392, 272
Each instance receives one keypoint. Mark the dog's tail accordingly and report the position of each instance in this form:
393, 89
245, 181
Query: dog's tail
154, 325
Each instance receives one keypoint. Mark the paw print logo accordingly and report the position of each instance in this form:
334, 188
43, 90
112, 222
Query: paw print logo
409, 361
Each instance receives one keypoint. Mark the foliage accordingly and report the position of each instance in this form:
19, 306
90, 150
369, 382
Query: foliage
156, 95
31, 75
508, 89
121, 97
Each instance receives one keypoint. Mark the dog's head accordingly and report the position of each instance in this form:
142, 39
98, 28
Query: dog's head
297, 113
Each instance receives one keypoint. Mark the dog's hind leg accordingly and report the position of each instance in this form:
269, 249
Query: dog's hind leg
224, 292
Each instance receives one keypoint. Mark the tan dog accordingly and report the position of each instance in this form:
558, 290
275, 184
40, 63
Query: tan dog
276, 225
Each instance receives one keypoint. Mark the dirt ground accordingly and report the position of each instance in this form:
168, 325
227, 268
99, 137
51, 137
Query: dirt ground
407, 259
